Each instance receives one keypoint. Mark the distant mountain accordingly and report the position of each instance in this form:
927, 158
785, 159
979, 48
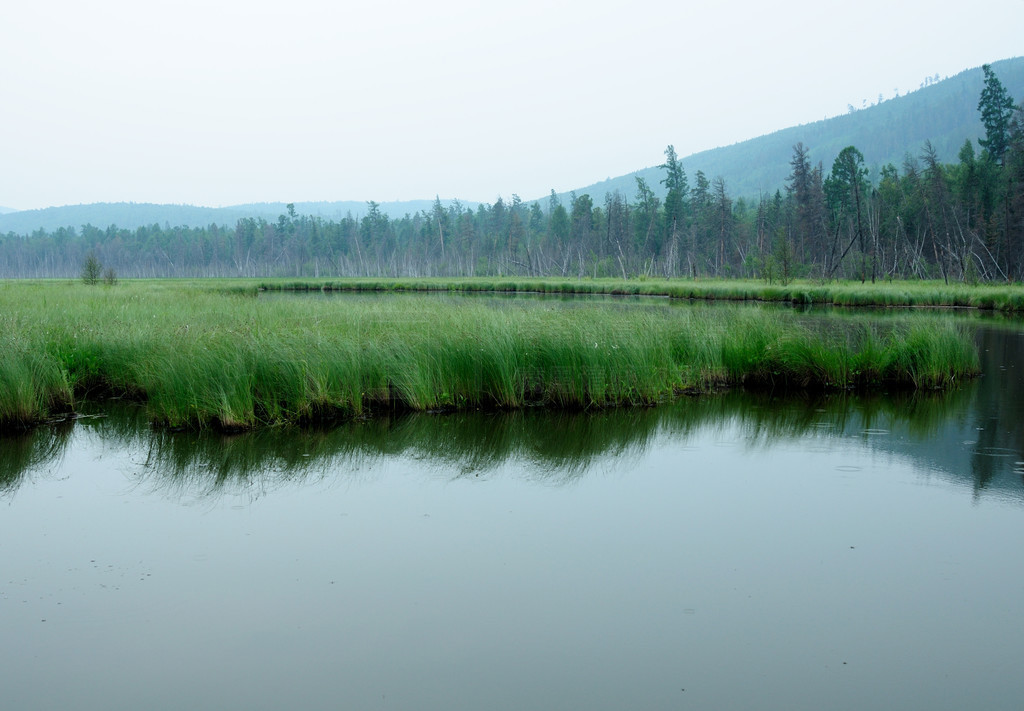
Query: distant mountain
132, 215
5, 210
102, 215
945, 113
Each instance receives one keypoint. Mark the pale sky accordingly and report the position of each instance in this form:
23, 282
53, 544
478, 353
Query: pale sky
214, 102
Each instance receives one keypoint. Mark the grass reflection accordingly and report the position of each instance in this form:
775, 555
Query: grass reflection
32, 450
553, 447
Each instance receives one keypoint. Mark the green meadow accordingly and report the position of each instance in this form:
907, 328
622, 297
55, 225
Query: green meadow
224, 354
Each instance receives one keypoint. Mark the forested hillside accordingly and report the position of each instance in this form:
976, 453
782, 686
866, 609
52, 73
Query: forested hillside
944, 112
920, 217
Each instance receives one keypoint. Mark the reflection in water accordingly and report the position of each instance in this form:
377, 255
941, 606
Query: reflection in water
940, 432
998, 409
33, 450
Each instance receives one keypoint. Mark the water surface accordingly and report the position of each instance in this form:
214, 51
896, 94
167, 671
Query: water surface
728, 552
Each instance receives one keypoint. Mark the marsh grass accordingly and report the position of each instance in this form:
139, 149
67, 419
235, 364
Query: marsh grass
220, 358
32, 385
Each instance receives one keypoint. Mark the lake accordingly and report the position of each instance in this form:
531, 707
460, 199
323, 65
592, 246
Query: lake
722, 552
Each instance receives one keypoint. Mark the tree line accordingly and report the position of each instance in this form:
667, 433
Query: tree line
961, 221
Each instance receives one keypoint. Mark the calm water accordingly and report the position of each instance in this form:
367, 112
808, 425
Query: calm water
718, 553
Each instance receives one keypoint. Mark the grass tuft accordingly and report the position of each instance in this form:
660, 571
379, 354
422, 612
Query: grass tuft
217, 357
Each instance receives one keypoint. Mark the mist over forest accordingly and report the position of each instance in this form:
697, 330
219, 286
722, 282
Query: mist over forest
925, 185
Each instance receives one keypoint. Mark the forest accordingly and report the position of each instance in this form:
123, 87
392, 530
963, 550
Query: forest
923, 219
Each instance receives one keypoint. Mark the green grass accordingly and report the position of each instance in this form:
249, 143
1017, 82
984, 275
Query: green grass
207, 354
31, 384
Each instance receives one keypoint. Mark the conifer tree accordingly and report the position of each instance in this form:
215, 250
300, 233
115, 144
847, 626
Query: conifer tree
996, 108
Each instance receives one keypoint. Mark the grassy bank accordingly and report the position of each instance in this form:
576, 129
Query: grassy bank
1005, 298
208, 357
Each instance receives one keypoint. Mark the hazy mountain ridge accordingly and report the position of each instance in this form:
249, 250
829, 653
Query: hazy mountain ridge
131, 215
945, 113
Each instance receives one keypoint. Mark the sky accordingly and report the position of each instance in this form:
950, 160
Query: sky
219, 103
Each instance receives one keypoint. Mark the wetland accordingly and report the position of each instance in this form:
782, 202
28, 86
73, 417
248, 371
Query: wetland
775, 549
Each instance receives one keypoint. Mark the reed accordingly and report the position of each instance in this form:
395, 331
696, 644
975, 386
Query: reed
217, 357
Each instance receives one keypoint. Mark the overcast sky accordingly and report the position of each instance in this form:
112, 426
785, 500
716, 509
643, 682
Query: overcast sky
217, 103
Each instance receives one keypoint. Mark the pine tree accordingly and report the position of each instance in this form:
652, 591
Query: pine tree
675, 176
996, 108
846, 187
675, 203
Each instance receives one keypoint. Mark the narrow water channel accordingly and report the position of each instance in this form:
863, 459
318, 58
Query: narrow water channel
726, 552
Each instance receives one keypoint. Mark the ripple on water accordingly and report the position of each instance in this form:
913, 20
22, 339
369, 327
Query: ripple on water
995, 452
874, 431
848, 468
